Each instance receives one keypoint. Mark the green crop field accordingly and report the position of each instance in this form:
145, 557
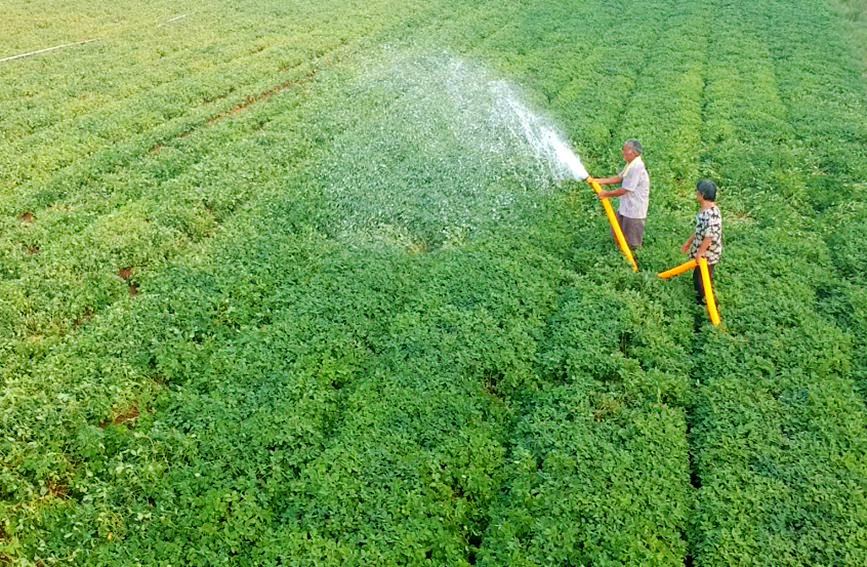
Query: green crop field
280, 285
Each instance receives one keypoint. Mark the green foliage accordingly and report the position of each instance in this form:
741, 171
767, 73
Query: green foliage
778, 426
271, 294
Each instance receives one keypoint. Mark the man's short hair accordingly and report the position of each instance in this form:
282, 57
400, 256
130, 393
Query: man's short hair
707, 189
635, 145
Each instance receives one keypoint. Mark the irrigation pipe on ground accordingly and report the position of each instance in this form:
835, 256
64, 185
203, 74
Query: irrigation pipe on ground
46, 50
75, 43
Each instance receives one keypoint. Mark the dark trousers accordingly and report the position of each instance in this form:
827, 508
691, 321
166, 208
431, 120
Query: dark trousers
633, 230
699, 285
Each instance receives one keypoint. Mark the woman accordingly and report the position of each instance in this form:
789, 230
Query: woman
706, 241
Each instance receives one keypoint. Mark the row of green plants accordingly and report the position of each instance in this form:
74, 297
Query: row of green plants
294, 382
141, 75
138, 205
825, 112
102, 470
600, 471
779, 429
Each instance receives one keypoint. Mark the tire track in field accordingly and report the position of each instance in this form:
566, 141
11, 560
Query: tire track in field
697, 373
674, 88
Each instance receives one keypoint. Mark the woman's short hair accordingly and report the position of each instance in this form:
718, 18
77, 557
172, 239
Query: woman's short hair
707, 189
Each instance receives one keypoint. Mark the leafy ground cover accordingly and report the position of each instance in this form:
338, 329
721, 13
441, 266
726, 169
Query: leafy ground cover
276, 286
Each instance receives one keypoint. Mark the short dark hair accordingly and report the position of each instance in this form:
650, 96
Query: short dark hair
707, 189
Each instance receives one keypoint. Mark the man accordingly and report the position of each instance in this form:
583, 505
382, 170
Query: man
706, 241
634, 193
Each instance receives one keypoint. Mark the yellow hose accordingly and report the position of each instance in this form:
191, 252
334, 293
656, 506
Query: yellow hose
708, 292
615, 226
676, 271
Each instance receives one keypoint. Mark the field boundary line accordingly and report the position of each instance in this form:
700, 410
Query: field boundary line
46, 50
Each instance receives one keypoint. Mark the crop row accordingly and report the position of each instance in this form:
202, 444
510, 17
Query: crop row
149, 208
195, 49
353, 344
825, 106
95, 449
600, 470
779, 429
220, 82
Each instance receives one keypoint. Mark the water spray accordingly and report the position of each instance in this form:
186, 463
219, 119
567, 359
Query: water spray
465, 131
551, 147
